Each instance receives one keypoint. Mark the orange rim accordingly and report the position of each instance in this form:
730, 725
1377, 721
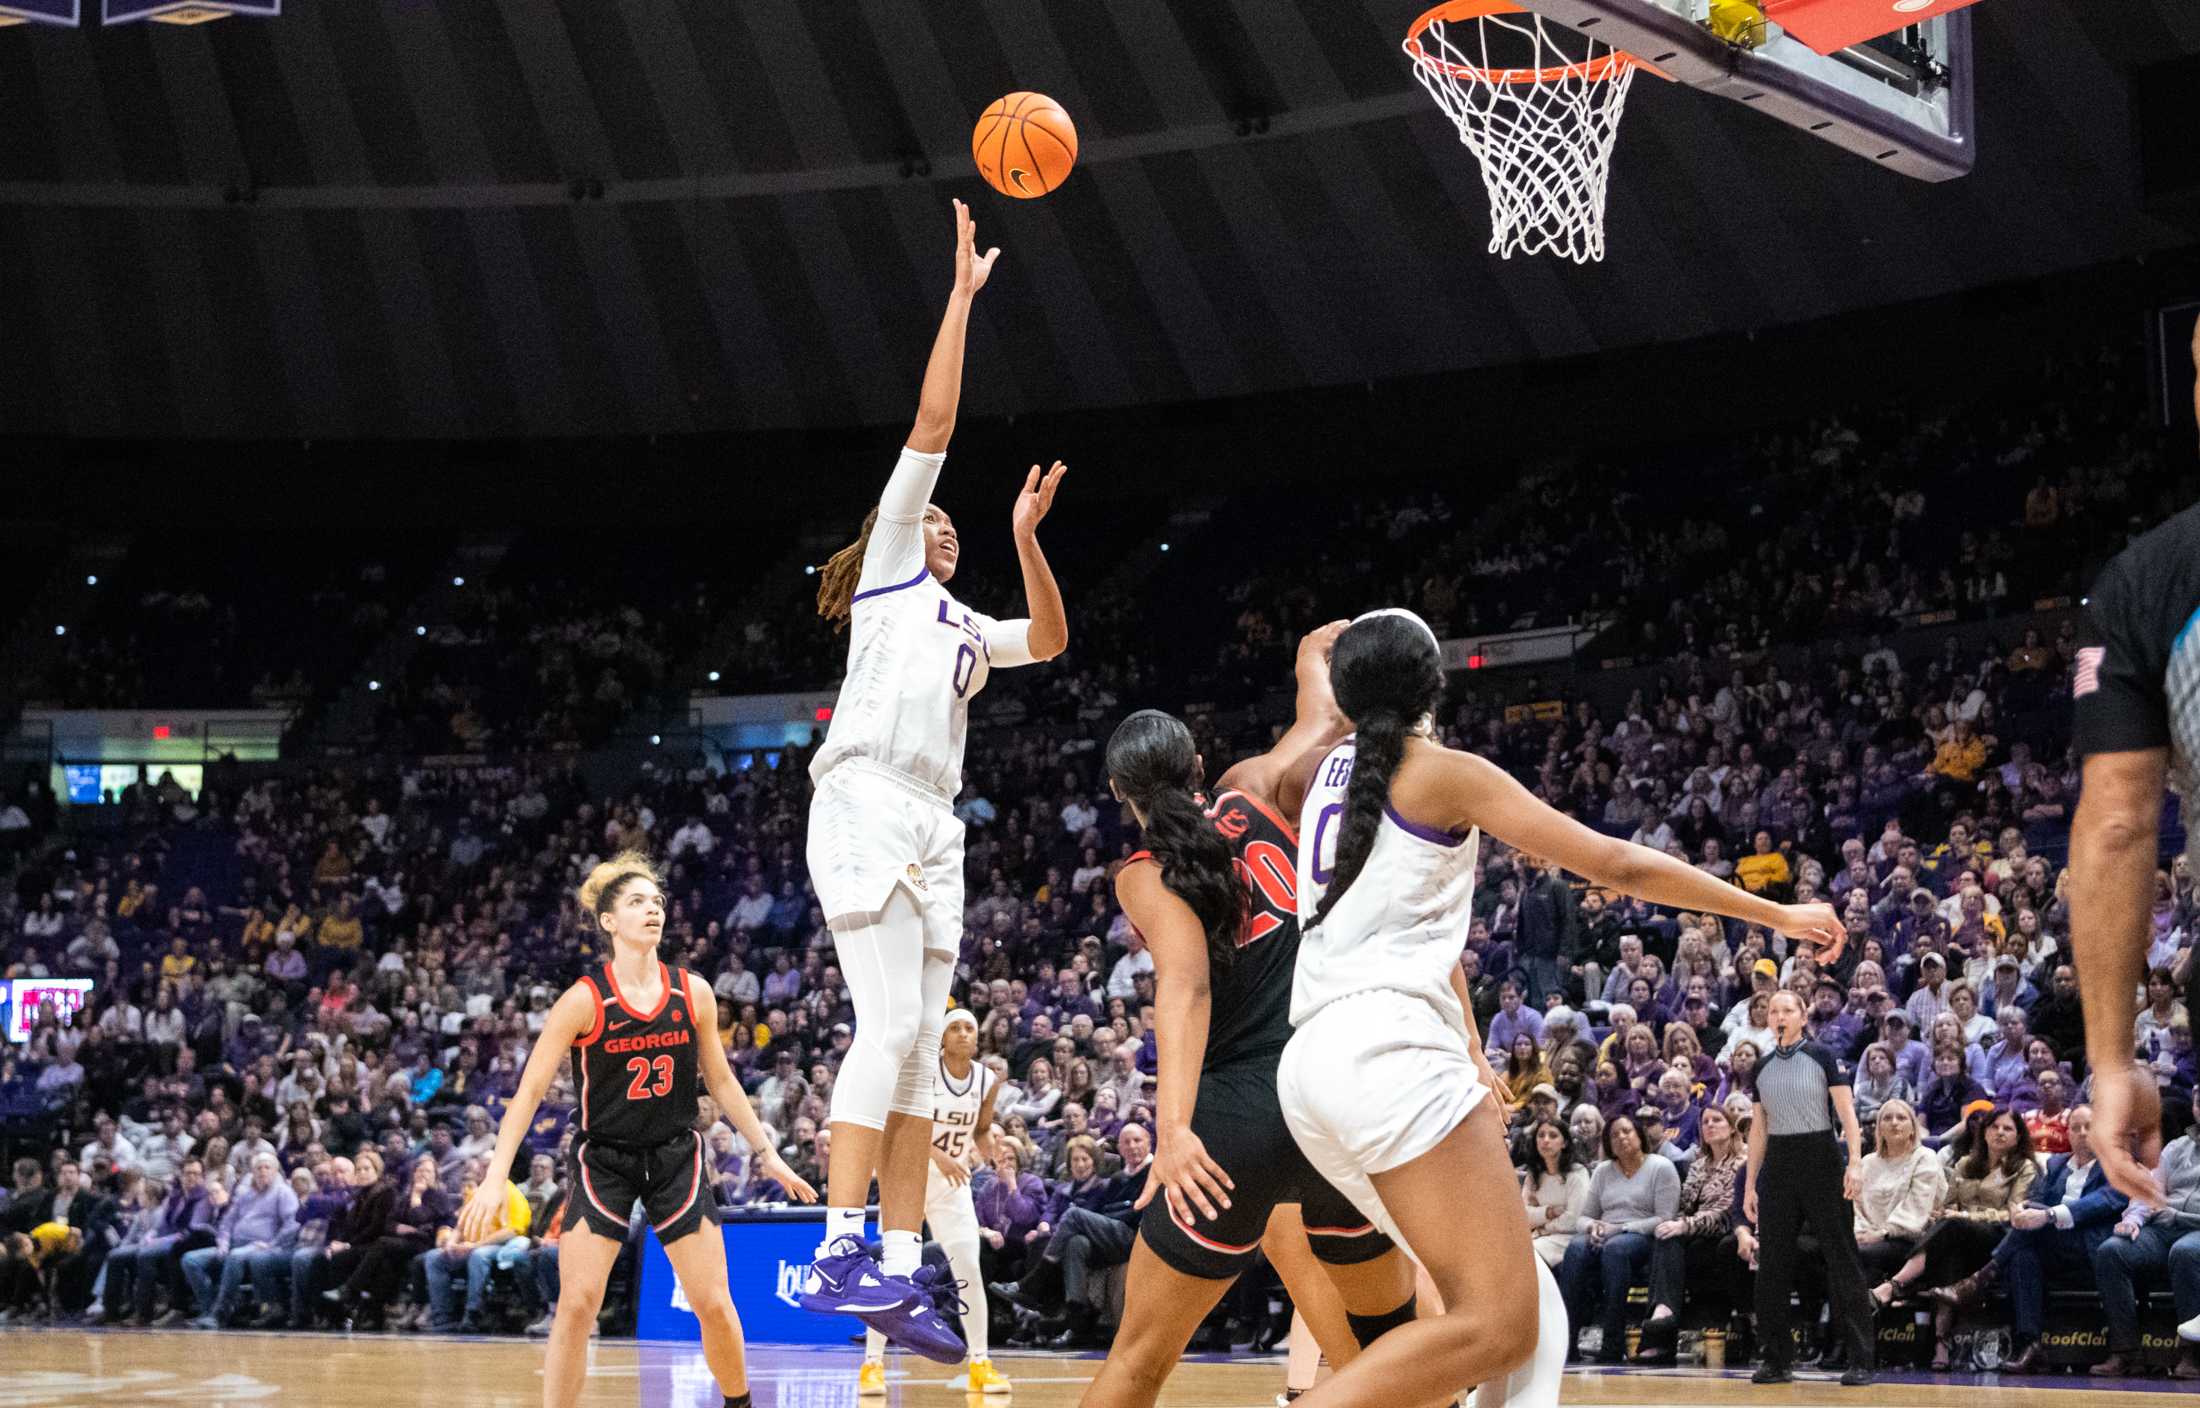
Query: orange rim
1596, 70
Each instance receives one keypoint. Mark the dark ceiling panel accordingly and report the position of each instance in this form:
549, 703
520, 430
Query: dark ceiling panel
759, 262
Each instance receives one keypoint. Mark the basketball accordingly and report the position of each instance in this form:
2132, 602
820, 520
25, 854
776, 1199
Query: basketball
1024, 145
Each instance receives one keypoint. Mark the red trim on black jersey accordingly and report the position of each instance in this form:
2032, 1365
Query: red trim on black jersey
664, 994
595, 1029
1136, 856
1208, 1242
687, 998
1259, 806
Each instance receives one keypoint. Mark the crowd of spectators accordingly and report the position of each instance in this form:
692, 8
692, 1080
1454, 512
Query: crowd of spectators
1859, 521
315, 987
318, 967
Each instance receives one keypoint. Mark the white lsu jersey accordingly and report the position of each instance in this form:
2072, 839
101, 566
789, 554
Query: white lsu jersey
1402, 924
916, 656
955, 1110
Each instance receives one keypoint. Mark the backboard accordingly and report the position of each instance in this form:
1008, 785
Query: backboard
1902, 100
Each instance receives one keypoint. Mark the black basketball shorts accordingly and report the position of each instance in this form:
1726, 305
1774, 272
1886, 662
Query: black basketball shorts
1240, 1121
666, 1179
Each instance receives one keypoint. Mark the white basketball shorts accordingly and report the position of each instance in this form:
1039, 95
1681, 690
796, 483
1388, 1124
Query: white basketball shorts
872, 828
1372, 1082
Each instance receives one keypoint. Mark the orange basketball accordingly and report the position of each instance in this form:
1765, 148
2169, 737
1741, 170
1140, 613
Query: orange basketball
1024, 145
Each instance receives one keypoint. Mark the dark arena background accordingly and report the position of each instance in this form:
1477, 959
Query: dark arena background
425, 426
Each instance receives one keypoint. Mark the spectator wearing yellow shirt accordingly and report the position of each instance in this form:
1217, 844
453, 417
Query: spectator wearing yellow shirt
259, 930
2032, 655
134, 898
505, 1246
1951, 857
1960, 755
1765, 870
341, 929
334, 867
177, 964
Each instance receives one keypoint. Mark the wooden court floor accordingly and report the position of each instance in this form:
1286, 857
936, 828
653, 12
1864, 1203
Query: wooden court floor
39, 1368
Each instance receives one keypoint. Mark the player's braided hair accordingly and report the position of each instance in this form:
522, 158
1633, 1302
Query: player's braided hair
1153, 763
1387, 675
836, 584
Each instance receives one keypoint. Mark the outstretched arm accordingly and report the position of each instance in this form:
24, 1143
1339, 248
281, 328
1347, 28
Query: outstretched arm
570, 1018
1462, 790
1281, 776
943, 373
731, 1098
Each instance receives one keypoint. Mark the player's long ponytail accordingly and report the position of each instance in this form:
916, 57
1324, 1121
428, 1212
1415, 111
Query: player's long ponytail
836, 584
1154, 764
1387, 675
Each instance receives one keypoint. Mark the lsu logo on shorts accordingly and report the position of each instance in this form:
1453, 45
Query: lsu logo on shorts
916, 878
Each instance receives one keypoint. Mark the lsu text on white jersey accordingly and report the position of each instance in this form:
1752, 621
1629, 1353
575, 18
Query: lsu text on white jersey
955, 1107
1401, 925
916, 656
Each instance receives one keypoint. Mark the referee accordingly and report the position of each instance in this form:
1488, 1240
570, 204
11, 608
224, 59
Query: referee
2136, 701
1796, 1181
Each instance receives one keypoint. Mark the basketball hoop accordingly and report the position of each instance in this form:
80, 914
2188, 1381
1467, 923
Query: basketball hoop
1539, 106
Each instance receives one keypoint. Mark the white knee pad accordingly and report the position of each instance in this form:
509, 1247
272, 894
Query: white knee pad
882, 960
914, 1085
920, 1068
870, 1078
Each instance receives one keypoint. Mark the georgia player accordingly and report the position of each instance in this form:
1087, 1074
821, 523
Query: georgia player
642, 1037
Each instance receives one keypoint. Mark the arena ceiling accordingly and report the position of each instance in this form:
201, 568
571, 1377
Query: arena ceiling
359, 219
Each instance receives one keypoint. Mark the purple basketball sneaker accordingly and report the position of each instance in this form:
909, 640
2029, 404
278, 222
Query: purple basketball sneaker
847, 1281
929, 1323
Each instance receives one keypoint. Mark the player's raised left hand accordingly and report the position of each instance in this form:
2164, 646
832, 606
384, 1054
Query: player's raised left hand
1036, 498
775, 1168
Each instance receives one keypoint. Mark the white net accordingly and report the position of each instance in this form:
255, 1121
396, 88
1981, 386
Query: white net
1539, 107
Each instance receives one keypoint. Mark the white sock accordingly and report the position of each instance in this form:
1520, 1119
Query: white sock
903, 1251
842, 1222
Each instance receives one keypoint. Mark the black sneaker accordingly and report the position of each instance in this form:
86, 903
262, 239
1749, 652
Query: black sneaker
1857, 1376
1772, 1374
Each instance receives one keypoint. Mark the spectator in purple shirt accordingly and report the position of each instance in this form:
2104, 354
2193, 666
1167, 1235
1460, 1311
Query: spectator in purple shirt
1911, 1060
1513, 1017
270, 1268
785, 983
1010, 1204
285, 964
185, 1224
1072, 999
260, 1215
2004, 1065
1831, 1023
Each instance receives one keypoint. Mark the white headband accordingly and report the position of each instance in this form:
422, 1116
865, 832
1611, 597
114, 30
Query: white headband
1408, 615
962, 1014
